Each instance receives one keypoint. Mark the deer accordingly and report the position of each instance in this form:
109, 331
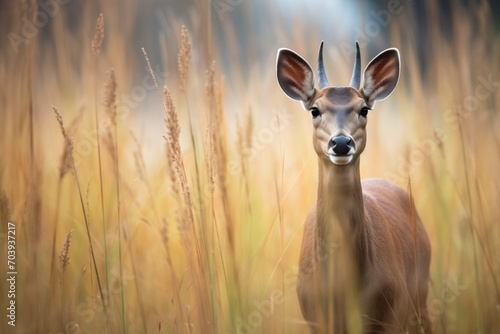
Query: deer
365, 254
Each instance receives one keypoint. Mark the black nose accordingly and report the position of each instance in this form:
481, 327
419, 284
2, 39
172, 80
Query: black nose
341, 145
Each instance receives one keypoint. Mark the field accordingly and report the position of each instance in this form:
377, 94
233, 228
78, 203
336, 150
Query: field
155, 179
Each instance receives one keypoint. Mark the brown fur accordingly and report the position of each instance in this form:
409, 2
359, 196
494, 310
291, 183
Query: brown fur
391, 285
365, 253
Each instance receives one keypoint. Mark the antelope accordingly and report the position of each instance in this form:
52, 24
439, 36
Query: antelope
365, 255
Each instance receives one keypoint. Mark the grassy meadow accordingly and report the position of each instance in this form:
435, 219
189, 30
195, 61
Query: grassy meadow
158, 178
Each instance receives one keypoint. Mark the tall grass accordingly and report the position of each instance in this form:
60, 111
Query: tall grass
192, 218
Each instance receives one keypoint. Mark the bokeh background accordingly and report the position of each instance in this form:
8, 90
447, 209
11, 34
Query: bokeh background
123, 226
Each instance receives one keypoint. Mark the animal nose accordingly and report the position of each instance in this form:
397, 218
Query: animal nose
341, 145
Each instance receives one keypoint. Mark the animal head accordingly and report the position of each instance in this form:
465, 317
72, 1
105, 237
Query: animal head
339, 114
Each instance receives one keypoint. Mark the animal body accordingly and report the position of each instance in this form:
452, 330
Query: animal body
365, 256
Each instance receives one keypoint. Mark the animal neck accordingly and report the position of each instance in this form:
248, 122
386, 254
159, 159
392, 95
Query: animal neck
340, 213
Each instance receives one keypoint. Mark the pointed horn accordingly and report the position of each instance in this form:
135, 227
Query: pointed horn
356, 71
322, 80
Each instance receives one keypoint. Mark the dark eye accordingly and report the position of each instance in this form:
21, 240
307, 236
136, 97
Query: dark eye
314, 112
364, 112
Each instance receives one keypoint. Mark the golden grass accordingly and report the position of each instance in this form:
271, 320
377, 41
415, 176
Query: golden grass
64, 254
194, 224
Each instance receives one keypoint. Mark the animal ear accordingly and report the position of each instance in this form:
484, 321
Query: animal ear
295, 76
381, 76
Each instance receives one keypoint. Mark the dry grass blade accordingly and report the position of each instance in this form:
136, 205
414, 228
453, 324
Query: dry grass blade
173, 132
67, 161
184, 57
84, 212
175, 157
219, 139
210, 160
111, 143
173, 151
110, 109
154, 78
99, 35
63, 265
110, 96
64, 254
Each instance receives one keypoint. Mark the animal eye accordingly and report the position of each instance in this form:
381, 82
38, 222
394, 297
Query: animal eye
364, 112
314, 112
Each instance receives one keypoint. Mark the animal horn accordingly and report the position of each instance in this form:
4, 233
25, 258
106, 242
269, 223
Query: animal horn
323, 81
356, 72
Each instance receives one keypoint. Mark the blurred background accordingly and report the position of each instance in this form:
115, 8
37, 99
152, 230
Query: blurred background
124, 224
